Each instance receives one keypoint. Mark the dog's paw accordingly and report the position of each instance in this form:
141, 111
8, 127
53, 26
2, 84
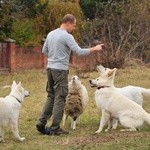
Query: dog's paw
138, 129
22, 139
114, 128
106, 130
128, 130
98, 131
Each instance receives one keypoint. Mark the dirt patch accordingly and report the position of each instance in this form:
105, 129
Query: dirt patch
105, 138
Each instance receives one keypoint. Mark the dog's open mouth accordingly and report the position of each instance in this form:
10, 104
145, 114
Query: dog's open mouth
92, 85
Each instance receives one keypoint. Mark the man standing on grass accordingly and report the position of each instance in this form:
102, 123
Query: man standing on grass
57, 47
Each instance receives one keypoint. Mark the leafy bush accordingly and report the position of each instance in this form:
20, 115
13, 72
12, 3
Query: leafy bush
6, 19
25, 33
51, 17
89, 8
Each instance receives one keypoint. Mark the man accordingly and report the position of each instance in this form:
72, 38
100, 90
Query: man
57, 47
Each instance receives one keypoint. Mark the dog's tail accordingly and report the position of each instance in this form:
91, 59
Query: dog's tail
144, 91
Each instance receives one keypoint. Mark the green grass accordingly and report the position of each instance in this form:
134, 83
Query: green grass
83, 138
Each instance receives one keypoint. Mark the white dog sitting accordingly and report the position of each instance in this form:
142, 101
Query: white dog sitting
134, 93
9, 110
115, 105
76, 101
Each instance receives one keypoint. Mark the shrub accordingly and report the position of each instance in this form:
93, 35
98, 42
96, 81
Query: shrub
51, 17
25, 33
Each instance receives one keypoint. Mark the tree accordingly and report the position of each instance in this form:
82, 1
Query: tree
124, 29
6, 18
89, 8
51, 17
32, 8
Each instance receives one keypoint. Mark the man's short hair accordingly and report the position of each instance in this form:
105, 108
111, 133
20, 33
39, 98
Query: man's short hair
68, 18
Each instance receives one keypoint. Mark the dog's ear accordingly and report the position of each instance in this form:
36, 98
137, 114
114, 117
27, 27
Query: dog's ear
13, 84
112, 72
19, 82
100, 68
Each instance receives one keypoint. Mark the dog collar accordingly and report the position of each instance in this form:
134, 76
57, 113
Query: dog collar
100, 87
16, 98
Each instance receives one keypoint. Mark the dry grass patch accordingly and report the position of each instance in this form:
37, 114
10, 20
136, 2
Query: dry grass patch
83, 137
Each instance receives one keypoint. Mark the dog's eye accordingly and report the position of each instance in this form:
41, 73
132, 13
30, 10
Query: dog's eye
97, 79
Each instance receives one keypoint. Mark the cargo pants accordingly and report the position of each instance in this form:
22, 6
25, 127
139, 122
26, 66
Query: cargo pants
57, 90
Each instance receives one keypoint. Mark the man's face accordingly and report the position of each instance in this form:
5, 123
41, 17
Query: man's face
71, 26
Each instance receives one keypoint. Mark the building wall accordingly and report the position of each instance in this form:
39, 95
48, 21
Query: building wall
29, 57
20, 58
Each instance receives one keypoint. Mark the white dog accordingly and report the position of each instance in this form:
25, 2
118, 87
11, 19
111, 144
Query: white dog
115, 105
76, 101
134, 93
9, 110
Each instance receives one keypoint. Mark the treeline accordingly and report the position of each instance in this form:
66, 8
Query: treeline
122, 25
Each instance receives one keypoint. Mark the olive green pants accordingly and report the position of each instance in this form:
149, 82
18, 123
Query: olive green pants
57, 90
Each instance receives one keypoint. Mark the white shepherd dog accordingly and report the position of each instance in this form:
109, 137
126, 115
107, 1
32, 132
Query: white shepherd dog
9, 110
134, 93
76, 101
114, 105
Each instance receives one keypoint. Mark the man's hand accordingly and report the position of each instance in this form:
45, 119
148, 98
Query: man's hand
98, 47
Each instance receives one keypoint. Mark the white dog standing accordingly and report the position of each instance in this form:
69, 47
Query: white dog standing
9, 110
115, 105
76, 101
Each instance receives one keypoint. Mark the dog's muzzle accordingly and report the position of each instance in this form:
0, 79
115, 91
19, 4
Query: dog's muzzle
27, 93
92, 85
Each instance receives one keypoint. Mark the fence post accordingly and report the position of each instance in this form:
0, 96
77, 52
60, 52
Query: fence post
12, 53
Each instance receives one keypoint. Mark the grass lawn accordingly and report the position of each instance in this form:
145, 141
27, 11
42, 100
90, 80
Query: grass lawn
83, 138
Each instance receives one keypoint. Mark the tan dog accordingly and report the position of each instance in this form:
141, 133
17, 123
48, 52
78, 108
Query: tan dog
9, 110
76, 101
115, 105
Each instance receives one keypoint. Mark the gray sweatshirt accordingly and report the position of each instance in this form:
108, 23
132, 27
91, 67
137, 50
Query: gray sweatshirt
58, 46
